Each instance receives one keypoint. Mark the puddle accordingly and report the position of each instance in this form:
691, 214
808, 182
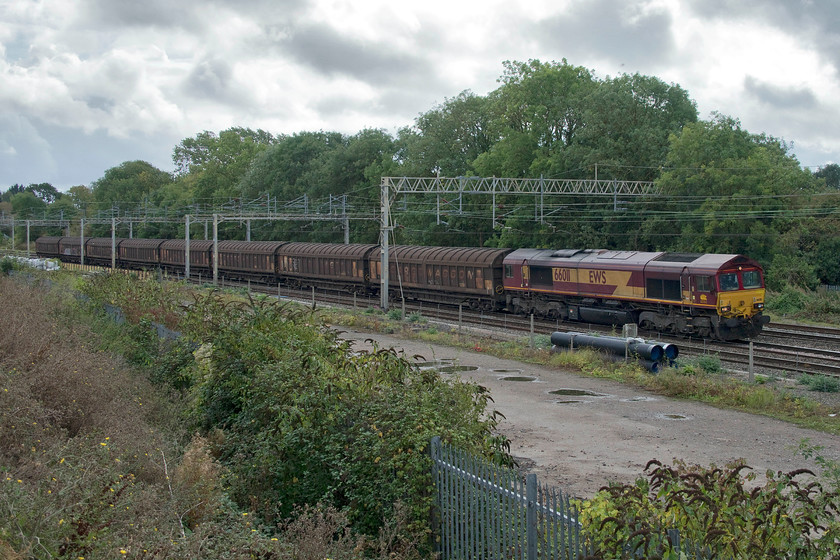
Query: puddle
519, 378
455, 369
435, 364
575, 393
507, 371
672, 416
572, 401
639, 399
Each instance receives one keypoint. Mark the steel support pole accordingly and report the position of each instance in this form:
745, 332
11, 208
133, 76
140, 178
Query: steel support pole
215, 249
187, 247
82, 239
113, 244
27, 238
386, 204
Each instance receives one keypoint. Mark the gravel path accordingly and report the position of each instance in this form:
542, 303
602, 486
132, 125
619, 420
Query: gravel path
580, 442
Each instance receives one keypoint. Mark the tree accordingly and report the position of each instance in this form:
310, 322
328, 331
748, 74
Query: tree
25, 205
13, 190
217, 164
125, 187
728, 190
831, 174
45, 192
80, 195
629, 120
447, 139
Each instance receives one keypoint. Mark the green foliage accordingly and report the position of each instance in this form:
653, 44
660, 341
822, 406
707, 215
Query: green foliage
7, 265
95, 462
416, 317
709, 363
266, 368
716, 511
830, 468
786, 302
821, 383
125, 186
823, 305
299, 417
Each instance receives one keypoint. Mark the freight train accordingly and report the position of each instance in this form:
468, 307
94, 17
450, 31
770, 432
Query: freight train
704, 295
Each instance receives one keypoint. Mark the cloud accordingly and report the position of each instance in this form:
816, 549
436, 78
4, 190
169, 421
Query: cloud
629, 34
210, 78
780, 97
24, 153
814, 22
329, 52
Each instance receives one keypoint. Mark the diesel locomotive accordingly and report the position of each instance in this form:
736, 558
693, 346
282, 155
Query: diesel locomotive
704, 295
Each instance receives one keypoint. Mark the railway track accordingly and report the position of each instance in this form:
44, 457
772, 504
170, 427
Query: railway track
782, 350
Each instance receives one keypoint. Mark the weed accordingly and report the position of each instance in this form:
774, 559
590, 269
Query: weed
821, 383
790, 516
416, 317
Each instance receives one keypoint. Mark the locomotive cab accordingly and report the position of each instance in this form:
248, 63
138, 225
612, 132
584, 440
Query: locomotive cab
740, 293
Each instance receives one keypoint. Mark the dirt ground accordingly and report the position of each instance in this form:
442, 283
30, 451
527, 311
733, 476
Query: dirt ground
580, 442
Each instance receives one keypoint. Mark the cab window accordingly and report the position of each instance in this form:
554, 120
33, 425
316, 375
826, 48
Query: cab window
751, 279
703, 283
729, 282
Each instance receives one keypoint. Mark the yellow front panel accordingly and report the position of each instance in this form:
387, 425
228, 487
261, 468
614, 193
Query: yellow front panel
742, 302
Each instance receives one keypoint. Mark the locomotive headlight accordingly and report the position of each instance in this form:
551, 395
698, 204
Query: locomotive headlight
725, 308
758, 306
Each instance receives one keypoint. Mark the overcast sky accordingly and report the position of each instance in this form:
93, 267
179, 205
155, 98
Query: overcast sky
88, 84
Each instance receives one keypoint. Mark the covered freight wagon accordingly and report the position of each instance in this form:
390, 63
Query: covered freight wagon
173, 256
467, 275
336, 266
248, 260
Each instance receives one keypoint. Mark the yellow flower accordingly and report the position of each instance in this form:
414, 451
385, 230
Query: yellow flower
123, 551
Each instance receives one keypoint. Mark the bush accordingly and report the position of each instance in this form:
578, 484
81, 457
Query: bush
298, 417
7, 265
713, 510
821, 383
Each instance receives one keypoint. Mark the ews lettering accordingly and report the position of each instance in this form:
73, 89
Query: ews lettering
597, 277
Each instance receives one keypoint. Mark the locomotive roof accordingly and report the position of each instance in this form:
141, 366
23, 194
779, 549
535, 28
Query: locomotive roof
697, 263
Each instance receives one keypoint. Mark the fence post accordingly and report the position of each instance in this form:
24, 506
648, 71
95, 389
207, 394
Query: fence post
531, 515
436, 535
